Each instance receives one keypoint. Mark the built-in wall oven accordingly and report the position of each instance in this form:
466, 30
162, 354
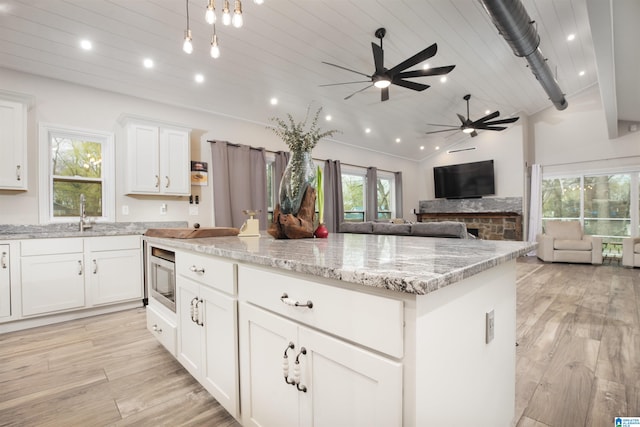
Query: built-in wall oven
162, 276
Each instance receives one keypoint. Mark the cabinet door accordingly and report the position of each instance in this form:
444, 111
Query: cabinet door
347, 385
52, 283
13, 145
115, 276
190, 342
175, 166
143, 159
267, 400
220, 376
5, 284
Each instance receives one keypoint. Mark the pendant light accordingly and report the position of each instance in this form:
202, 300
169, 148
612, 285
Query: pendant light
187, 46
210, 15
237, 14
215, 50
226, 13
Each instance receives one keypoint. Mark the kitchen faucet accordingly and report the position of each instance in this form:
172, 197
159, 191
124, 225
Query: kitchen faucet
84, 223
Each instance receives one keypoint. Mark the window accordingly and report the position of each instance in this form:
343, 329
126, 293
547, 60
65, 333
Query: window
603, 203
75, 162
272, 187
353, 195
386, 195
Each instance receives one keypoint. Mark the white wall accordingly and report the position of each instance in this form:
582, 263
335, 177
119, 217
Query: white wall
71, 105
506, 150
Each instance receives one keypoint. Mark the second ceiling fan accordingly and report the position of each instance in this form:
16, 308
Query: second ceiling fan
383, 78
470, 127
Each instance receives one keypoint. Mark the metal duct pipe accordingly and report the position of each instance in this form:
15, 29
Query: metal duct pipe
514, 24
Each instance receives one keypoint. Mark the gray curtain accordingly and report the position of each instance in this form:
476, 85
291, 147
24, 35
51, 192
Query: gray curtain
399, 211
333, 204
239, 177
371, 209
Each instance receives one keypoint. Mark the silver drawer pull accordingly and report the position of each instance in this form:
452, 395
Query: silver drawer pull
195, 269
156, 329
290, 301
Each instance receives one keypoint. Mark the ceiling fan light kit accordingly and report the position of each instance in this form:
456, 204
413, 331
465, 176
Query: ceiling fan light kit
384, 77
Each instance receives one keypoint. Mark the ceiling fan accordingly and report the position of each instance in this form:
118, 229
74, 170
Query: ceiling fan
382, 77
470, 127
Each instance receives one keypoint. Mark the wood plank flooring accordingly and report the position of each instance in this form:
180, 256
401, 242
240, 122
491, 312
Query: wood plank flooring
578, 361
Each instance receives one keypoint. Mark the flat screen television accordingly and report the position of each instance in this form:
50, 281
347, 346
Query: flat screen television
464, 181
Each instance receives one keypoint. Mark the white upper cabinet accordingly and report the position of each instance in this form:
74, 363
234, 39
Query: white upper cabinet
13, 145
158, 159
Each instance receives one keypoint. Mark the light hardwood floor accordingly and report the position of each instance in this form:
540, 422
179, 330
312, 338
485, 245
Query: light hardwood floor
578, 361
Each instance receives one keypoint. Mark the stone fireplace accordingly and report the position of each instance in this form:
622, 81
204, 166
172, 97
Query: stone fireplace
487, 218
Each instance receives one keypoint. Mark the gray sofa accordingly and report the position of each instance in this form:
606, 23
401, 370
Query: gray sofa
424, 229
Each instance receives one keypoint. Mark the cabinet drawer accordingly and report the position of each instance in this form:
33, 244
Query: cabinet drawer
207, 270
369, 320
113, 243
162, 329
50, 246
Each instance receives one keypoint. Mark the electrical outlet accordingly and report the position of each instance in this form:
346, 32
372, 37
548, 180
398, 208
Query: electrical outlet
163, 209
490, 322
193, 209
125, 210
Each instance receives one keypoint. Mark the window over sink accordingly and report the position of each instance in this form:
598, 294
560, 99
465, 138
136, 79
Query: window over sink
76, 161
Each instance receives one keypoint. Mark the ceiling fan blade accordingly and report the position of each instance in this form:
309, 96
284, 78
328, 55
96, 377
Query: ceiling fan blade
358, 91
462, 119
491, 127
410, 85
345, 83
438, 131
384, 94
503, 121
415, 59
428, 72
487, 117
347, 69
378, 58
449, 126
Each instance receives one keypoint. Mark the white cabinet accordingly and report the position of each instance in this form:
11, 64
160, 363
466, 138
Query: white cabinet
296, 375
158, 159
72, 273
13, 145
5, 282
115, 269
207, 326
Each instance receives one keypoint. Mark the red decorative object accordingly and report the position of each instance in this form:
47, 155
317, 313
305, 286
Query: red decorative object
321, 232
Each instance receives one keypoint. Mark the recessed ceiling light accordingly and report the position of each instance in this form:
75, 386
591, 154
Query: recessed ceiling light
274, 101
199, 78
328, 117
148, 63
570, 37
437, 147
487, 111
86, 44
398, 140
426, 66
443, 79
367, 130
581, 73
422, 147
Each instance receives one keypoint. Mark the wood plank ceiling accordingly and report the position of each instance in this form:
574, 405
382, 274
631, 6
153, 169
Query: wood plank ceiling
279, 53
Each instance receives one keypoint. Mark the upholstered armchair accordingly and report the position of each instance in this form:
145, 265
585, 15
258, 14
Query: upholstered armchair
631, 252
564, 241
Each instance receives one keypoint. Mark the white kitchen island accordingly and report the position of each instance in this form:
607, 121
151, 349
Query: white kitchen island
377, 330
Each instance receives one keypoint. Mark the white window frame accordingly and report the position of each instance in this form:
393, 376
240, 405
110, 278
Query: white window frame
45, 197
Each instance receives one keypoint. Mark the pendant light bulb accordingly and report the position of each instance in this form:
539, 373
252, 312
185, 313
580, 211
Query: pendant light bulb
215, 49
187, 46
237, 14
210, 15
226, 13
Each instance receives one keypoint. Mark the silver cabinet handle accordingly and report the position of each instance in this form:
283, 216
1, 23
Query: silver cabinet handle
296, 371
195, 269
157, 181
192, 309
3, 261
95, 267
168, 182
79, 268
18, 174
199, 312
285, 363
290, 301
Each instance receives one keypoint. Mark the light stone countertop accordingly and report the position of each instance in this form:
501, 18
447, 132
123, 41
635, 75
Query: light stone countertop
416, 265
48, 231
